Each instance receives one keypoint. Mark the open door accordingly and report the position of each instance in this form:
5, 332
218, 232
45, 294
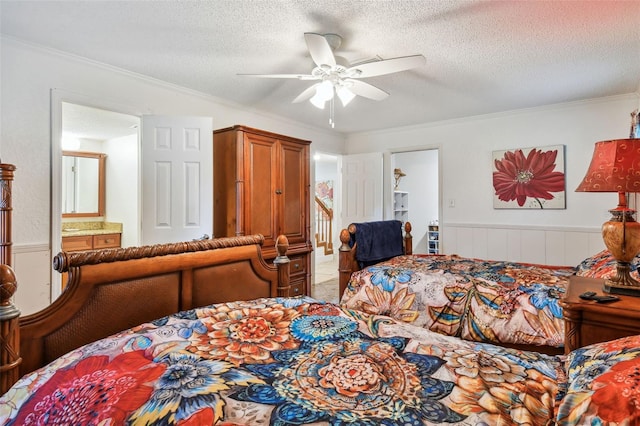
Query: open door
177, 178
362, 193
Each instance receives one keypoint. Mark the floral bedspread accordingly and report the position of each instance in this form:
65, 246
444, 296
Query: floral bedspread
604, 265
603, 385
286, 362
479, 300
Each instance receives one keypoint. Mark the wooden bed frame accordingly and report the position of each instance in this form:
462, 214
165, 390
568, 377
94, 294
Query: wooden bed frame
114, 289
348, 265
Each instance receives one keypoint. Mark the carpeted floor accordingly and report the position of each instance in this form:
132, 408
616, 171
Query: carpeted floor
325, 285
326, 290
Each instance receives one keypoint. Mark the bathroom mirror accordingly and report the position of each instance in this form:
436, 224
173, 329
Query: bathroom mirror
83, 177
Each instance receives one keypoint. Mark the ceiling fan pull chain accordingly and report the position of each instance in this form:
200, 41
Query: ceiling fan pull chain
331, 120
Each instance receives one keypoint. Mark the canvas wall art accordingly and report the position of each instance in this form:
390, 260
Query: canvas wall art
324, 191
529, 178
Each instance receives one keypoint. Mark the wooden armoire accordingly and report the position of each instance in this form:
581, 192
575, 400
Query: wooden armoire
261, 186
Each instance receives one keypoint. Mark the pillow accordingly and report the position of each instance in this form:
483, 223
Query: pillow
602, 384
603, 265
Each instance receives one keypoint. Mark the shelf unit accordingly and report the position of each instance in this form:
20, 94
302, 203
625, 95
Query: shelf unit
433, 235
401, 206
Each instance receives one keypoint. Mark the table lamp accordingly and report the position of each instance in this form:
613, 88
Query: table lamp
615, 167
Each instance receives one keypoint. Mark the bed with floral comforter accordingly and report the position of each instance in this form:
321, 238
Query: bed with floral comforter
479, 300
286, 362
297, 361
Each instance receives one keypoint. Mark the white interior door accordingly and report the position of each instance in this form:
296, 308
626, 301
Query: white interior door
177, 178
361, 188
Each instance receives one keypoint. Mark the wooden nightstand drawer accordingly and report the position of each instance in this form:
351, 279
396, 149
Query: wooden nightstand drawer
79, 243
106, 241
587, 321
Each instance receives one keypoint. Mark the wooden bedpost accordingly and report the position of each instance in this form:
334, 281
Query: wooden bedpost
282, 263
408, 239
6, 177
9, 315
346, 262
10, 358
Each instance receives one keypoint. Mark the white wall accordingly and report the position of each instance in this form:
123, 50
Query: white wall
466, 169
122, 200
28, 74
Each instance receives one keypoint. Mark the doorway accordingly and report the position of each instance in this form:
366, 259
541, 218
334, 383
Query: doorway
419, 190
87, 123
325, 227
116, 136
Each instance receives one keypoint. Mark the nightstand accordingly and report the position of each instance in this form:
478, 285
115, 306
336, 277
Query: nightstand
587, 321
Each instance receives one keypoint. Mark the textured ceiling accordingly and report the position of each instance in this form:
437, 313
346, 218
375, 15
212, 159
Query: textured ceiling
482, 56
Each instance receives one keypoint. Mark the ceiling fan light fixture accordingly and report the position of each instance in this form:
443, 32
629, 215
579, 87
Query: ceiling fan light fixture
317, 101
345, 95
325, 90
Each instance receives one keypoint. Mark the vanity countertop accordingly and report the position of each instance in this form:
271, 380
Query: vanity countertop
84, 232
81, 229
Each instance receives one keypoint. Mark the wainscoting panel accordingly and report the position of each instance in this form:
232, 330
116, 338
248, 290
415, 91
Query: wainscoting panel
478, 237
497, 245
534, 244
32, 265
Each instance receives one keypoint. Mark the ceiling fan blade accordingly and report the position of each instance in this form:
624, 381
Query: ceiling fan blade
386, 66
319, 49
297, 76
366, 90
306, 94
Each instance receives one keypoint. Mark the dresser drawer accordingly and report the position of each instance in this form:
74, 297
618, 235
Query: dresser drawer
296, 288
297, 265
79, 243
106, 241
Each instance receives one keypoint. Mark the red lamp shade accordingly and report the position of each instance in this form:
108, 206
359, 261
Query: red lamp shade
615, 167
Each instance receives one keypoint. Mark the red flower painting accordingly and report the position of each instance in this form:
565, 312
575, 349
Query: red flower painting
533, 178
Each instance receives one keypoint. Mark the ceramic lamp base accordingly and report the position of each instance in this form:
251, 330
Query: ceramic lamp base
622, 282
623, 290
621, 235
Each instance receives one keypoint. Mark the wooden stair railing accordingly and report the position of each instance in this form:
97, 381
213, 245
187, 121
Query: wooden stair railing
324, 222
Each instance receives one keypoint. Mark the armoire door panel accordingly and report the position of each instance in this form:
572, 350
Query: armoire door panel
295, 194
260, 205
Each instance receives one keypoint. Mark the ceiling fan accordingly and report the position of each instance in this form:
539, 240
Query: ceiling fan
335, 76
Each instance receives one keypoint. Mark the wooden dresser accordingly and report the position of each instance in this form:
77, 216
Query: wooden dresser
588, 322
261, 186
90, 242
